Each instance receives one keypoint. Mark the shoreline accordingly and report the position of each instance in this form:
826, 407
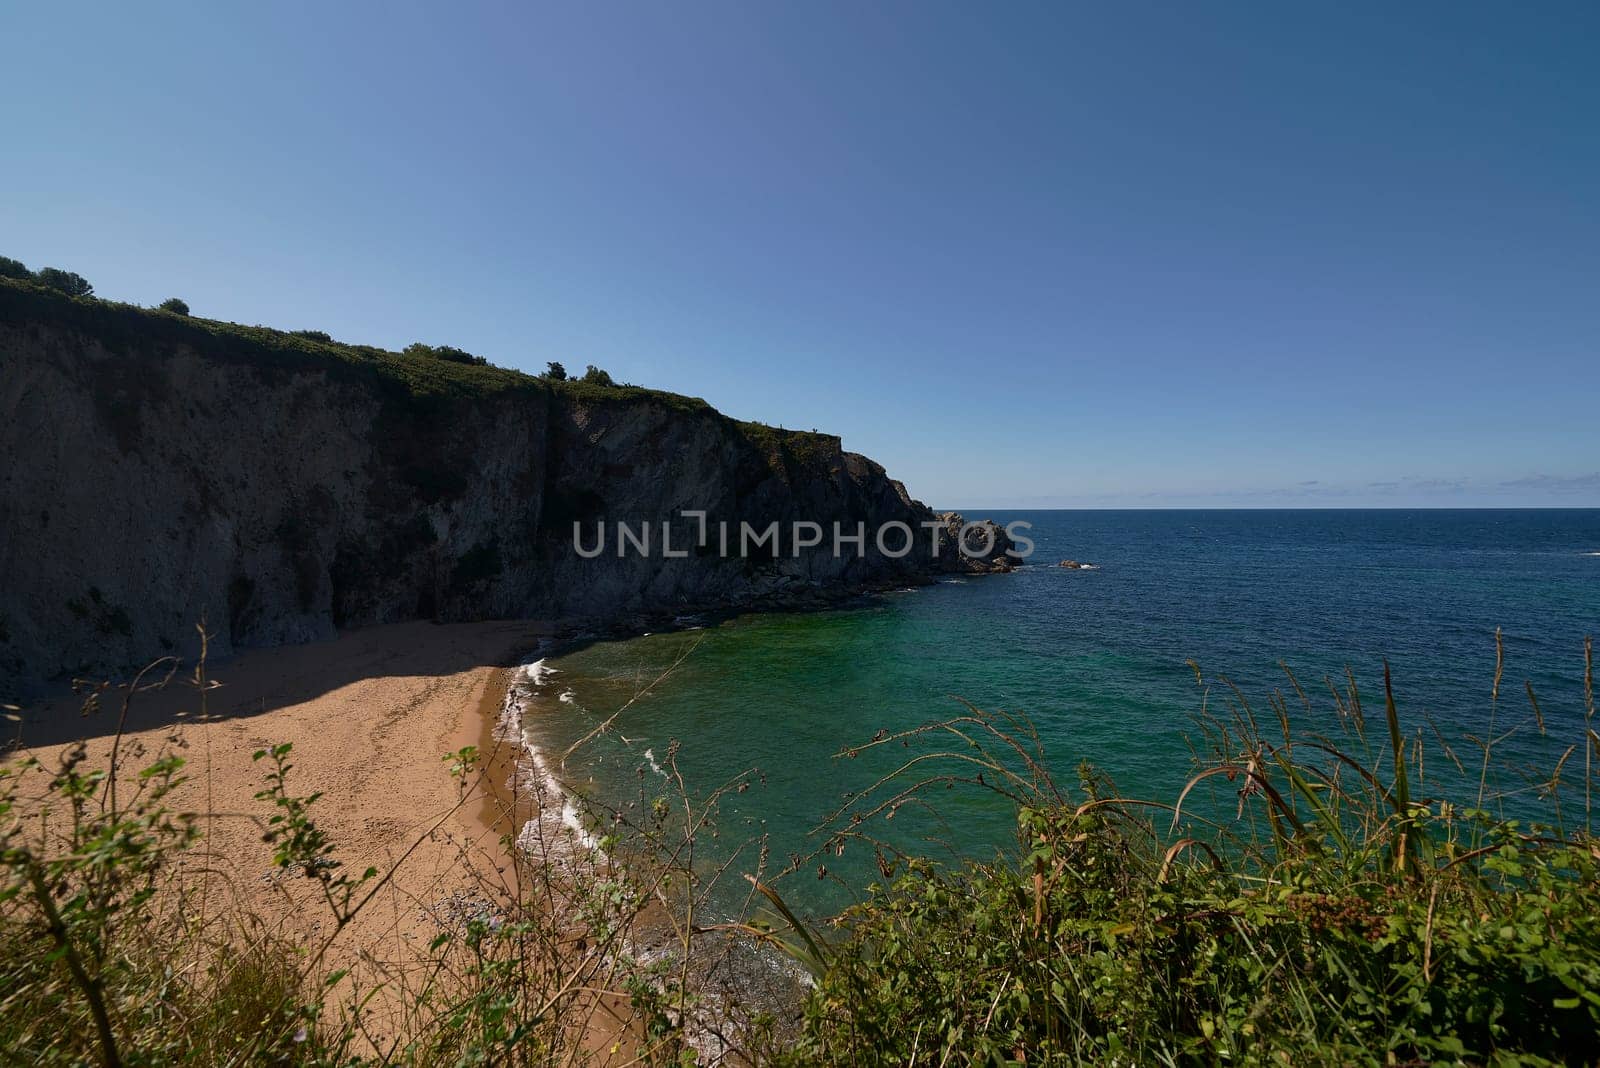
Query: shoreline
611, 1032
374, 717
735, 978
497, 811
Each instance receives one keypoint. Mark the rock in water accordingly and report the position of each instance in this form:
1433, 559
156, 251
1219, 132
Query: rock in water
987, 546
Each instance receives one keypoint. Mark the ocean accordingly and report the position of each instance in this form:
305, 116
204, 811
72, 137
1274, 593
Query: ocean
1096, 659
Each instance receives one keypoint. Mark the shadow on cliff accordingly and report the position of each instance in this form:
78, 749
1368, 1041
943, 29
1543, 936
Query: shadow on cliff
259, 681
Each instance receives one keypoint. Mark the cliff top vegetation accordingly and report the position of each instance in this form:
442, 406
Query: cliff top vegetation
63, 298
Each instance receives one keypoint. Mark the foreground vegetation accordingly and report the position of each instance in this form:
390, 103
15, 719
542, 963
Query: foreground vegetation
1327, 912
1331, 888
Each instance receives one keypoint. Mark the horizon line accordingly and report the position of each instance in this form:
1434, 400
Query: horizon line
1278, 508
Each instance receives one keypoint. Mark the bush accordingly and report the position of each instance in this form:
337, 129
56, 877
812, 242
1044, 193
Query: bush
555, 372
454, 355
126, 328
313, 335
10, 268
443, 352
95, 965
1329, 919
596, 377
175, 306
73, 285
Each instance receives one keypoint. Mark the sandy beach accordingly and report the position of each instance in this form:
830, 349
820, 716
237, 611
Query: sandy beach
371, 716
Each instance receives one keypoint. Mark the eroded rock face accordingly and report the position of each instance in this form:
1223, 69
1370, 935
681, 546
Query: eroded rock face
988, 548
147, 484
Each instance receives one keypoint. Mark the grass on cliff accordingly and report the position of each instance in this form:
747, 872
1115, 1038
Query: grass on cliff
132, 331
1331, 889
129, 330
421, 395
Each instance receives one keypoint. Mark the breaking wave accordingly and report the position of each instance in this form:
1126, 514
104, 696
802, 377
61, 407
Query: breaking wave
556, 830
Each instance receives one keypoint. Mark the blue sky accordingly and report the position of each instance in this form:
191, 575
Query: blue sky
1042, 255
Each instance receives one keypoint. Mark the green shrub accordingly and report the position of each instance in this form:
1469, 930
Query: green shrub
1333, 919
594, 376
555, 372
68, 282
454, 355
175, 306
95, 964
140, 335
443, 352
10, 268
312, 335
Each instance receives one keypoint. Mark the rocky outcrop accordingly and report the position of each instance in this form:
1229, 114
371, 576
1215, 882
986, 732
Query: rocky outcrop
985, 547
157, 471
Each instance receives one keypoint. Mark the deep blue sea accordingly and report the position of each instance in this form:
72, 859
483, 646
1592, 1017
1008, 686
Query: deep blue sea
1097, 659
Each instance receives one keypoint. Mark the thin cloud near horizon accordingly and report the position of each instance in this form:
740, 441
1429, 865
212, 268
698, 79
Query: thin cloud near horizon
1557, 489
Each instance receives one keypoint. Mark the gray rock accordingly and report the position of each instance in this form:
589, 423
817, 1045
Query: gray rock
149, 483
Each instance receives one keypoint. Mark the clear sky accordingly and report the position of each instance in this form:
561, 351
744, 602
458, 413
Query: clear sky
1022, 254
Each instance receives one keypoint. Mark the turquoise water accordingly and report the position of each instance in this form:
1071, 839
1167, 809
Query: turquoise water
1096, 659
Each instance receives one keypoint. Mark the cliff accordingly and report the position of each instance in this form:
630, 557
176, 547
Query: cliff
156, 470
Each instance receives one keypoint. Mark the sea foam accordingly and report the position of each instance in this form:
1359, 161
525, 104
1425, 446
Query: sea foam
557, 835
557, 829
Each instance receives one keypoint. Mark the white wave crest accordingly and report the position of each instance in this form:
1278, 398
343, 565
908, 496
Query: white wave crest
557, 830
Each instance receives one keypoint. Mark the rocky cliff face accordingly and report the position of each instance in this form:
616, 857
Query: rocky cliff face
156, 471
